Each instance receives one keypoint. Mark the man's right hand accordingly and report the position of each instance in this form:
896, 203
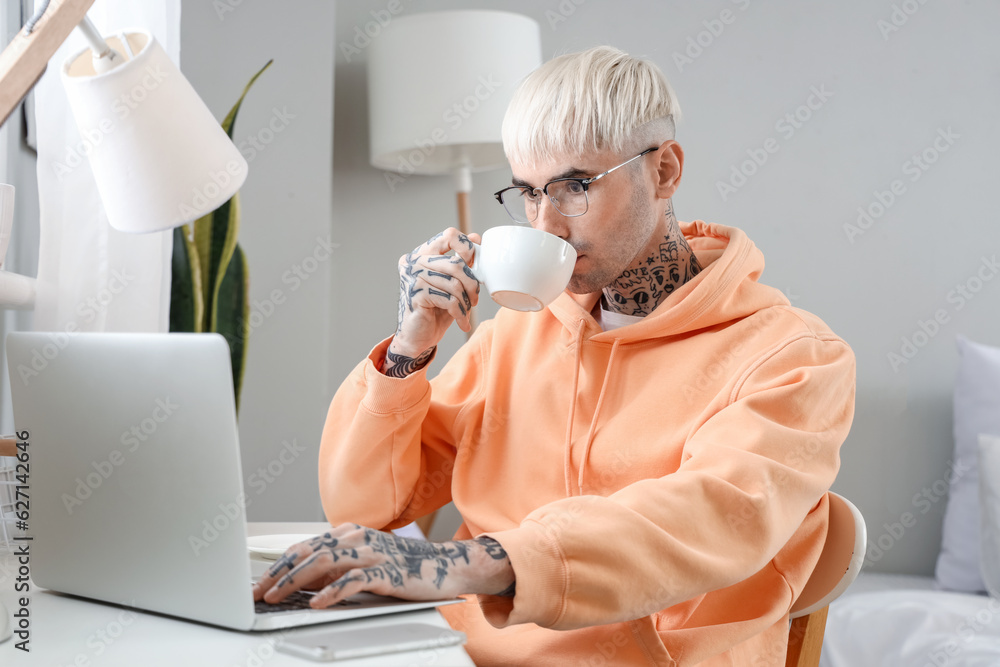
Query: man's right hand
434, 290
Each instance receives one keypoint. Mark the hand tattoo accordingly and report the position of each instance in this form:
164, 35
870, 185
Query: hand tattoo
407, 288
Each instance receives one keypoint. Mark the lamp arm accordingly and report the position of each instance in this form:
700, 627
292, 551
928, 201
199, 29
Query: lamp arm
25, 58
97, 43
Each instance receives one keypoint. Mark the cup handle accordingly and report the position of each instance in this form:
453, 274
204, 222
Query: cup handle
475, 270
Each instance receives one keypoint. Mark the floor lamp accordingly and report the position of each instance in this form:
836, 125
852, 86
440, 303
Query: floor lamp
160, 158
438, 87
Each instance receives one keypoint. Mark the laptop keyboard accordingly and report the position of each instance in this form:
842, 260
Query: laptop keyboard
295, 602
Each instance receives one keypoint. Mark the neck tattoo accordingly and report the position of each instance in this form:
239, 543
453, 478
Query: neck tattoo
647, 282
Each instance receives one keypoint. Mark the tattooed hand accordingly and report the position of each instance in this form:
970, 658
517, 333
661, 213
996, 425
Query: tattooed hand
434, 290
351, 558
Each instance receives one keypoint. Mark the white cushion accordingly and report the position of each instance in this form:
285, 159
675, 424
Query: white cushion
989, 511
977, 410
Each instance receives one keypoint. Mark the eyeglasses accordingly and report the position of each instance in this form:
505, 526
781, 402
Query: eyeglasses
568, 195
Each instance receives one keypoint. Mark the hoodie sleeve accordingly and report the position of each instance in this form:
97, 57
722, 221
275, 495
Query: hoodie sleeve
747, 480
387, 452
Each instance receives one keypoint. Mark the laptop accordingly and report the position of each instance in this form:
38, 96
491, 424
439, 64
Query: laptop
136, 489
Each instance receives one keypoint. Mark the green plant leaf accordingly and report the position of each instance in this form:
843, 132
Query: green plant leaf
225, 229
211, 286
234, 315
186, 302
230, 120
216, 233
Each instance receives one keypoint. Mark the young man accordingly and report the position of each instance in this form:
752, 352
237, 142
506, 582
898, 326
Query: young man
642, 466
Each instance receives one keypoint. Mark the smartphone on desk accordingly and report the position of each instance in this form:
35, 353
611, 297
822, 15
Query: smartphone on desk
329, 645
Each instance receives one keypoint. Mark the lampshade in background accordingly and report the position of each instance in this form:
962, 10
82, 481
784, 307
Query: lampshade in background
438, 86
159, 156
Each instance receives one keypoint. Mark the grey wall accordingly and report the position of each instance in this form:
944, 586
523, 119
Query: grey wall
285, 129
888, 92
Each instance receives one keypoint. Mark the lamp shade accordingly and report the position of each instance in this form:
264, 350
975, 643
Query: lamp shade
159, 157
438, 87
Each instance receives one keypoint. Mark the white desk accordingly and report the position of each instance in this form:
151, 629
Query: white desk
69, 631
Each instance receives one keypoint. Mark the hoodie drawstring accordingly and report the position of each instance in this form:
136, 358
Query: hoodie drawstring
597, 410
567, 468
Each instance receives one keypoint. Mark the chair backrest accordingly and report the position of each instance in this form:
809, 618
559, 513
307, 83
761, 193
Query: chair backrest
841, 560
839, 563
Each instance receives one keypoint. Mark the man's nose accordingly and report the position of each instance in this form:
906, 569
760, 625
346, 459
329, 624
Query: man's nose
550, 220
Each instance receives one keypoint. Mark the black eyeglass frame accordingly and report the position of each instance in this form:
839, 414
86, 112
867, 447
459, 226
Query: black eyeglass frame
584, 183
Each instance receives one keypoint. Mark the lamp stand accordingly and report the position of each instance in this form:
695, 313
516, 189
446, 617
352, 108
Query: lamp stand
463, 186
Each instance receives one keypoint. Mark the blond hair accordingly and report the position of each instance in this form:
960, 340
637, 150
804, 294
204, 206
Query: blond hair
591, 101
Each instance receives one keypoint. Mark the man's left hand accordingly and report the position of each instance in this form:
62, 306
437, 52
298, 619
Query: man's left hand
351, 558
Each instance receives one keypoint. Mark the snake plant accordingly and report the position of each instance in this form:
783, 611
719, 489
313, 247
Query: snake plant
210, 281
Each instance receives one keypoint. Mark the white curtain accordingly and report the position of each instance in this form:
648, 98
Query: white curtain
92, 277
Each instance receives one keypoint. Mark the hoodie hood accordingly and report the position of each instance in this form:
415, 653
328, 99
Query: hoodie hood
726, 289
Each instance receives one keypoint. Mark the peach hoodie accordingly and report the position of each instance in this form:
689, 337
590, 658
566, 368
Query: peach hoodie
660, 488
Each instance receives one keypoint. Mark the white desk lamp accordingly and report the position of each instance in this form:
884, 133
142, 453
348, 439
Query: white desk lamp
438, 87
159, 156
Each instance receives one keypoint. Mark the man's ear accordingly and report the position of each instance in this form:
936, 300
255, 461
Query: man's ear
668, 169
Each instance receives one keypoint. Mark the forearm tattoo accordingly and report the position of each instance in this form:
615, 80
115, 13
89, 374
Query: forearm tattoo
403, 365
495, 551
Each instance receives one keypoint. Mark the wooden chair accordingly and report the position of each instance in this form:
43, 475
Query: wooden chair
838, 566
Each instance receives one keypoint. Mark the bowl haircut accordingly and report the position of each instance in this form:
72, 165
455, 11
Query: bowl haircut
592, 101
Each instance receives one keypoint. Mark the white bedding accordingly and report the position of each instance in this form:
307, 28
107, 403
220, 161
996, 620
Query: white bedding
901, 621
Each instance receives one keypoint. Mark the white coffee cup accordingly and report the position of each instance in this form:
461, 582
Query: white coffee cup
523, 268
